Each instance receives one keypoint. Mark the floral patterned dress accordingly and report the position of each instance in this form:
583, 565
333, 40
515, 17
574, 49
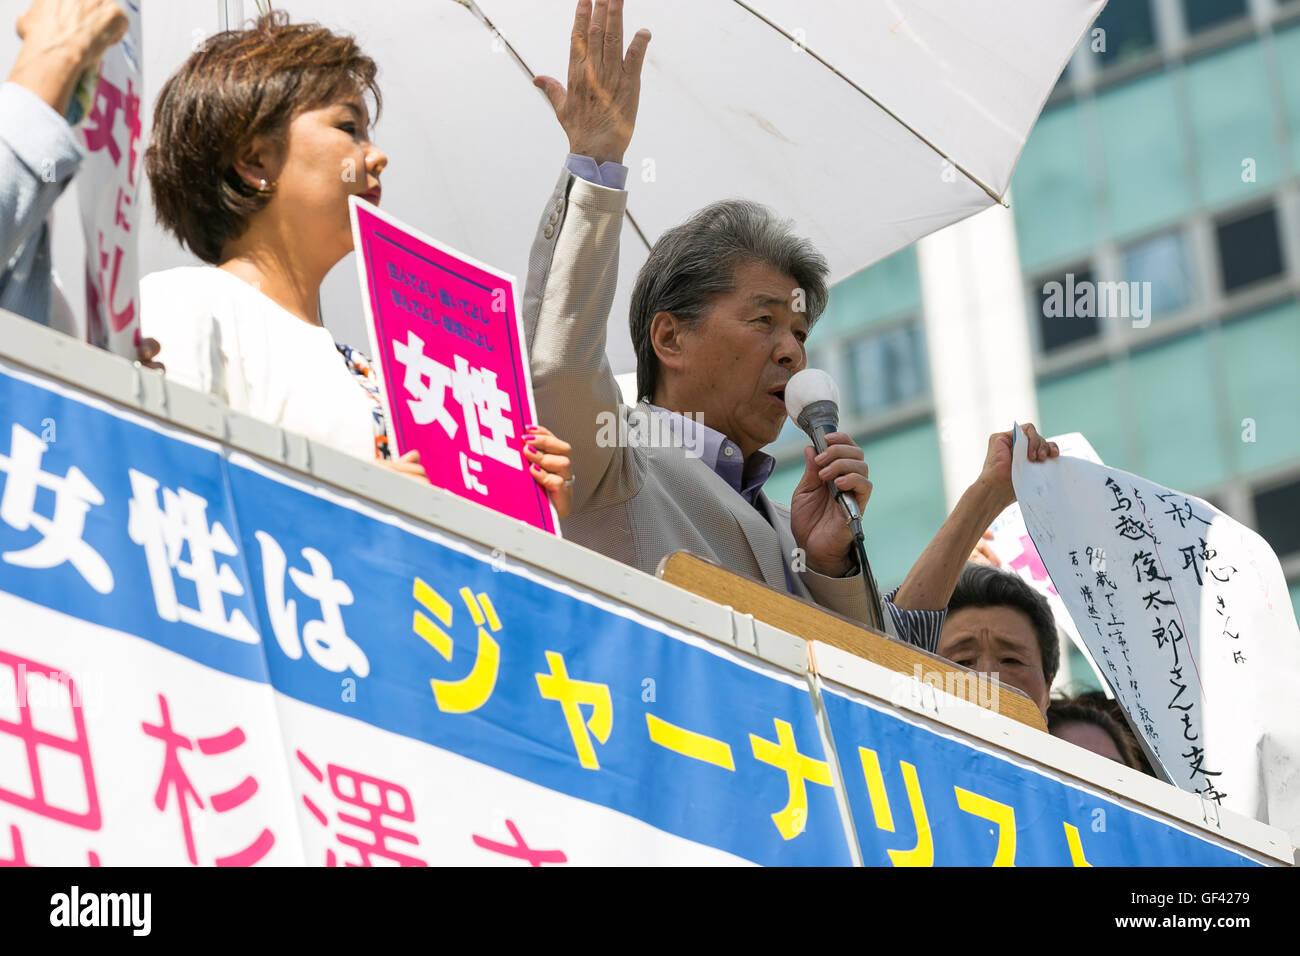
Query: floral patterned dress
360, 367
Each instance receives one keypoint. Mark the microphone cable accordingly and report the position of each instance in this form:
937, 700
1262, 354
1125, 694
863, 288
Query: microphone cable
875, 609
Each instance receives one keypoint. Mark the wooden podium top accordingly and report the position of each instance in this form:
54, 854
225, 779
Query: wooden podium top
700, 576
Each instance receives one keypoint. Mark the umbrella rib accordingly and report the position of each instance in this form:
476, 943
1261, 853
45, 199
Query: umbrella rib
474, 8
898, 119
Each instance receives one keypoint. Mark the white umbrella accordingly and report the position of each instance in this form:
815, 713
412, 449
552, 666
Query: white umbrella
870, 123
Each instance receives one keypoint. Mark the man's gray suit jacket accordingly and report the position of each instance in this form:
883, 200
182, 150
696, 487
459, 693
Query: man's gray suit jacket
637, 504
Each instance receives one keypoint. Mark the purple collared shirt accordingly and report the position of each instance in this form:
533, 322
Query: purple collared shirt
723, 456
609, 175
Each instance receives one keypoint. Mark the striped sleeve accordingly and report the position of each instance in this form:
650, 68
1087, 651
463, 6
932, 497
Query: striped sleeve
917, 627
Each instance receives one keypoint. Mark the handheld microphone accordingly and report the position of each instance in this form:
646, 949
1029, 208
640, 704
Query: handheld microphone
813, 403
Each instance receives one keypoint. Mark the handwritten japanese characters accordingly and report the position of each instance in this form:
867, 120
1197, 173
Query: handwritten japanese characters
1187, 613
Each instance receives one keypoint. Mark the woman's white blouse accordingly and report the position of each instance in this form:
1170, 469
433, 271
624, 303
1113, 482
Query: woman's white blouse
222, 336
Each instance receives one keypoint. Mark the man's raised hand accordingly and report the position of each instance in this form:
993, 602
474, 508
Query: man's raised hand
598, 110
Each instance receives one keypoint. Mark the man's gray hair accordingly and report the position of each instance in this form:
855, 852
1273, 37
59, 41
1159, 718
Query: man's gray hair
693, 263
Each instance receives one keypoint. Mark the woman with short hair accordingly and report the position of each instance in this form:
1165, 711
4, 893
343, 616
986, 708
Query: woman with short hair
258, 141
1093, 722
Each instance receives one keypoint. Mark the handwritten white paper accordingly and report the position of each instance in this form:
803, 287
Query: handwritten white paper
1188, 614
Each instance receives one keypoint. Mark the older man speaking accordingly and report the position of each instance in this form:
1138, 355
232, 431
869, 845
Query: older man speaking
720, 314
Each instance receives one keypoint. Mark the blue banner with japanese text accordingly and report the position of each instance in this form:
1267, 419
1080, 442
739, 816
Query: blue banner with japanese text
425, 656
922, 797
208, 660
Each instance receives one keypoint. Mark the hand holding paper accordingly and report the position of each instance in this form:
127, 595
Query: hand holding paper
61, 41
996, 475
551, 467
930, 583
449, 358
1189, 616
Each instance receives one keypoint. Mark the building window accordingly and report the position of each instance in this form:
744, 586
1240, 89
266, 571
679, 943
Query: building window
1066, 307
1250, 249
1129, 31
1277, 514
888, 369
1161, 267
1205, 14
1056, 203
1148, 177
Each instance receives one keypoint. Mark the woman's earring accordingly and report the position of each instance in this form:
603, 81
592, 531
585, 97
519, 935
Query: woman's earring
263, 185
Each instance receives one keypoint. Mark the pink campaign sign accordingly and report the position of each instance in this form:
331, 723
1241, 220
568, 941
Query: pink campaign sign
447, 341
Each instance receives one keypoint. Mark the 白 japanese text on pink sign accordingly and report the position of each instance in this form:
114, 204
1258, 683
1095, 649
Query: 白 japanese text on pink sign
446, 339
